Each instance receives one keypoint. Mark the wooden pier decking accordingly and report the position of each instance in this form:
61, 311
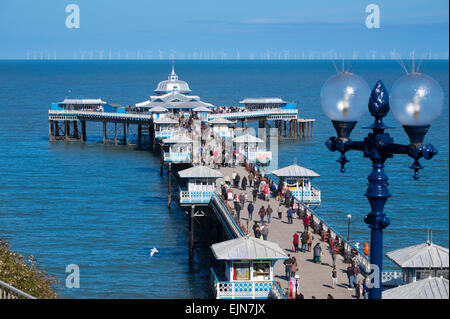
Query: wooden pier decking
315, 279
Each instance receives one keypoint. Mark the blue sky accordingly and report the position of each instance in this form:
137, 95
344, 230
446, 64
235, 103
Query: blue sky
232, 28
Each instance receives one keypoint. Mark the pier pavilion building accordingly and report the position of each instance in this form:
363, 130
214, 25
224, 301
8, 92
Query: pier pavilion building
200, 182
297, 179
248, 147
174, 95
249, 268
422, 261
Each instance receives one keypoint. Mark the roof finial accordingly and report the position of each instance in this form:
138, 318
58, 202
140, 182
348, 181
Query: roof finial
295, 160
173, 66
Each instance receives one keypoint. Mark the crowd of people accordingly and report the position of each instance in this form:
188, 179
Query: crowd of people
235, 190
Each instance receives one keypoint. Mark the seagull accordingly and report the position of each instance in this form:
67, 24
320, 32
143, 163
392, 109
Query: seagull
153, 251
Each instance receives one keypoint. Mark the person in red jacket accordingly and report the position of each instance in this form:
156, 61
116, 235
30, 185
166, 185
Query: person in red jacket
295, 242
306, 222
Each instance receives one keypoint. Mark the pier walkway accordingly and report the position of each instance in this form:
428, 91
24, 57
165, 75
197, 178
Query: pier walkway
315, 279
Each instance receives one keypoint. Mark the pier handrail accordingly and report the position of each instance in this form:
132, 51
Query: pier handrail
253, 113
100, 114
254, 287
362, 260
10, 292
228, 214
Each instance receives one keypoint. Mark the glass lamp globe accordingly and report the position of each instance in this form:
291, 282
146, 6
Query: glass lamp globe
416, 99
344, 97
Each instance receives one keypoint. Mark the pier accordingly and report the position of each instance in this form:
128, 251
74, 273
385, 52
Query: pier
174, 123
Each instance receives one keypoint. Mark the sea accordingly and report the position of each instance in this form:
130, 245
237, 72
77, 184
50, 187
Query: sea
104, 207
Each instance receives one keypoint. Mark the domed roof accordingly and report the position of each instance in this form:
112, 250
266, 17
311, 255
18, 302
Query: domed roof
172, 84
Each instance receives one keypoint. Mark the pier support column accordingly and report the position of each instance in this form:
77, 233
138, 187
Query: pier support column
83, 131
115, 133
191, 232
169, 191
51, 131
125, 139
104, 133
56, 125
66, 130
312, 128
161, 163
139, 133
76, 133
152, 136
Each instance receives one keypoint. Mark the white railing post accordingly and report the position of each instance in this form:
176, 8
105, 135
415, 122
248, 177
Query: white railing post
232, 290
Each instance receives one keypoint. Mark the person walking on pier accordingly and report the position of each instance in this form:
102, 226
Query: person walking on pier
238, 208
250, 179
306, 222
310, 240
295, 242
257, 232
266, 192
350, 276
264, 230
294, 266
304, 241
242, 200
288, 267
366, 282
334, 278
359, 289
255, 194
269, 212
244, 183
289, 215
317, 253
333, 255
262, 213
250, 209
236, 181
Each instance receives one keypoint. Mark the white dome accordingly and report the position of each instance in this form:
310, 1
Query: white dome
172, 84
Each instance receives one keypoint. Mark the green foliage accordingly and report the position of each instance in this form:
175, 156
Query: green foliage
21, 272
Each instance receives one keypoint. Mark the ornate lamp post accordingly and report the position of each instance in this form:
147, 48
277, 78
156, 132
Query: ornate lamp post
416, 101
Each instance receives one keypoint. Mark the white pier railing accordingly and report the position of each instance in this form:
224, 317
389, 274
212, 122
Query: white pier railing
187, 197
392, 278
99, 115
250, 289
275, 113
9, 292
177, 157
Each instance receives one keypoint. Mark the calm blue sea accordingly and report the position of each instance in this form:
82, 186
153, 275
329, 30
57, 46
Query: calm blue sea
104, 207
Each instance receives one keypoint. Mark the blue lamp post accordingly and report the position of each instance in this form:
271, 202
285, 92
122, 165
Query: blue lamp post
416, 100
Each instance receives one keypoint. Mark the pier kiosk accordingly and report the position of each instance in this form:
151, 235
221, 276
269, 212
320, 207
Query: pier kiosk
297, 179
202, 113
165, 127
430, 288
177, 149
200, 185
198, 191
249, 264
419, 262
158, 112
222, 127
247, 149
